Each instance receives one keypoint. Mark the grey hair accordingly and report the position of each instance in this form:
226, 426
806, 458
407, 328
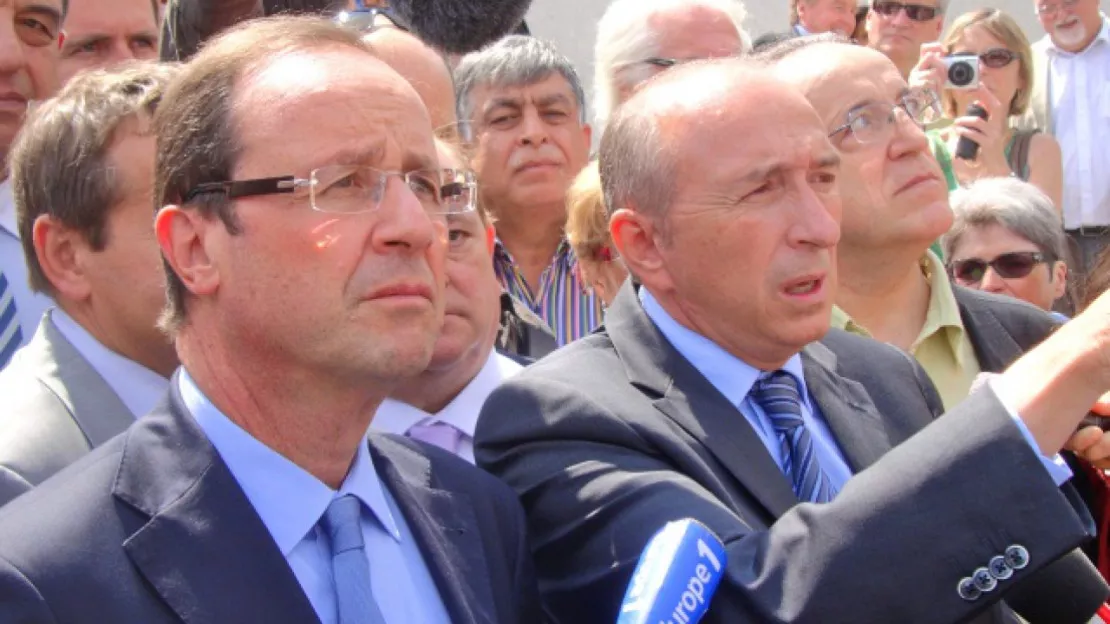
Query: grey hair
514, 61
60, 162
1013, 204
624, 39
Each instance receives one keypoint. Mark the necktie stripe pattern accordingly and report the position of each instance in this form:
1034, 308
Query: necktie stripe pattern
10, 334
780, 399
350, 566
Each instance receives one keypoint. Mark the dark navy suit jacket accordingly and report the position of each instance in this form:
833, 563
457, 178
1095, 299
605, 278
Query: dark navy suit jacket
152, 527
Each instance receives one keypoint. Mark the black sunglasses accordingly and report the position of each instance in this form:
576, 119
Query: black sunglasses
1013, 265
916, 12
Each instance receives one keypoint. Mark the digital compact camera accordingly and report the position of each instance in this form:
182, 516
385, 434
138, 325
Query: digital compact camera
963, 71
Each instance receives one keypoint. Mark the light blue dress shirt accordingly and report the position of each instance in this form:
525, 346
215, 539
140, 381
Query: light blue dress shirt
291, 502
734, 379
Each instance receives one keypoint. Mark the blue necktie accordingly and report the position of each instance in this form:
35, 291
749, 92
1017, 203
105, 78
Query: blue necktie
10, 334
778, 395
349, 565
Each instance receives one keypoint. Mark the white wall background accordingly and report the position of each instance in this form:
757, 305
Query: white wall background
572, 24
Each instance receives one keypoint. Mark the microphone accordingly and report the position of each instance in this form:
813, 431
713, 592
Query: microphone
967, 149
460, 26
676, 576
1067, 591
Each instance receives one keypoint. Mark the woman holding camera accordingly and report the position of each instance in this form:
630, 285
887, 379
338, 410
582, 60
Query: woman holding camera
1005, 77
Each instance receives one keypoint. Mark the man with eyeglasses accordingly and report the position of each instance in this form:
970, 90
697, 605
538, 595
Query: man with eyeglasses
1071, 101
899, 29
716, 391
304, 259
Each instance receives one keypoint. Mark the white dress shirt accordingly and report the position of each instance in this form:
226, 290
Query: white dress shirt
461, 413
29, 305
137, 386
290, 502
1080, 106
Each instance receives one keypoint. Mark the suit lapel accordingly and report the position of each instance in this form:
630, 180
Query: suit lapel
686, 397
846, 407
445, 528
95, 407
204, 549
994, 347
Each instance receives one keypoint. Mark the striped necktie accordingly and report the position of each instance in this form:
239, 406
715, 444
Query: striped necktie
10, 334
349, 563
778, 396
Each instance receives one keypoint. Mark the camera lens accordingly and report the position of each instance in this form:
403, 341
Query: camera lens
961, 74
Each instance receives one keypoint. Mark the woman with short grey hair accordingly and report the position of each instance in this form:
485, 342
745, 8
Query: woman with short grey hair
1007, 238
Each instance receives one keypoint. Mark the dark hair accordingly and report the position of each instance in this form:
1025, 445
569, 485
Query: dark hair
59, 161
195, 125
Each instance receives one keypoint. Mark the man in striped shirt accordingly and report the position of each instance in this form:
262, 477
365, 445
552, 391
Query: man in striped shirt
528, 115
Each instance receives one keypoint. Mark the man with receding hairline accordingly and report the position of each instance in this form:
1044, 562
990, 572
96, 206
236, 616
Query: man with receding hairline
102, 33
716, 391
304, 261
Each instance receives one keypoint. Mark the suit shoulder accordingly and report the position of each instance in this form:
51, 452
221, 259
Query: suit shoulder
584, 357
846, 344
412, 459
1027, 324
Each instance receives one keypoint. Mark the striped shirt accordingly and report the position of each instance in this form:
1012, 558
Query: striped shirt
562, 300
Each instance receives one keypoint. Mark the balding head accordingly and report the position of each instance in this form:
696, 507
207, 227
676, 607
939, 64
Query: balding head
722, 189
422, 66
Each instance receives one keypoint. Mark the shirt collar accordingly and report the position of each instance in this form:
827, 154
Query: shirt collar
731, 376
1103, 36
461, 413
564, 250
288, 499
7, 209
137, 386
943, 314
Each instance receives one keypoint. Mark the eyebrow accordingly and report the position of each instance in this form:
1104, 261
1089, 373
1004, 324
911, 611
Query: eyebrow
43, 8
72, 44
824, 161
361, 156
517, 103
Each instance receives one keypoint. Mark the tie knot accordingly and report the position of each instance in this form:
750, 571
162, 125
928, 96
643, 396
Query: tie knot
342, 523
441, 434
777, 394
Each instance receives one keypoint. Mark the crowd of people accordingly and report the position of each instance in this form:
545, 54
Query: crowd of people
315, 314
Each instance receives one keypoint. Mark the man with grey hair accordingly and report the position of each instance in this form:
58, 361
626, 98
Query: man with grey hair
82, 175
716, 392
899, 29
812, 17
1007, 238
637, 39
527, 111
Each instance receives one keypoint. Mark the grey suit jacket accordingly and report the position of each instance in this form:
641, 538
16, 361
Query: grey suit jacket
55, 408
1000, 328
614, 435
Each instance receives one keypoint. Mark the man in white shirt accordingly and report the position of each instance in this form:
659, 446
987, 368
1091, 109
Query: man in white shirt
82, 178
29, 31
1071, 101
441, 405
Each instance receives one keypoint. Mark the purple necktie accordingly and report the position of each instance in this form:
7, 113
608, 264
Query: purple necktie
439, 434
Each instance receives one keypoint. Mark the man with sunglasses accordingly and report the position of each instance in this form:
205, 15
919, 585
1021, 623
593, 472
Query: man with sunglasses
1071, 101
899, 29
304, 259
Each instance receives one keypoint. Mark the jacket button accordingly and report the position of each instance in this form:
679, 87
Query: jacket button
967, 589
1000, 568
1017, 556
983, 580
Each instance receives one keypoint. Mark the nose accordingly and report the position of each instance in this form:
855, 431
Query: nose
993, 282
403, 224
908, 138
11, 51
533, 129
901, 18
817, 219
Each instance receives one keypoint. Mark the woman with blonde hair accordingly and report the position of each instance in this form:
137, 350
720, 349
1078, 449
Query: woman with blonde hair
587, 231
1006, 80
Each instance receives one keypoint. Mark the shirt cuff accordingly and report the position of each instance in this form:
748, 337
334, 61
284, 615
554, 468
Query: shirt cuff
1056, 466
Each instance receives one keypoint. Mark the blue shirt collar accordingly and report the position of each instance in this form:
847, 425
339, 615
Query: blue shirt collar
288, 499
731, 376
